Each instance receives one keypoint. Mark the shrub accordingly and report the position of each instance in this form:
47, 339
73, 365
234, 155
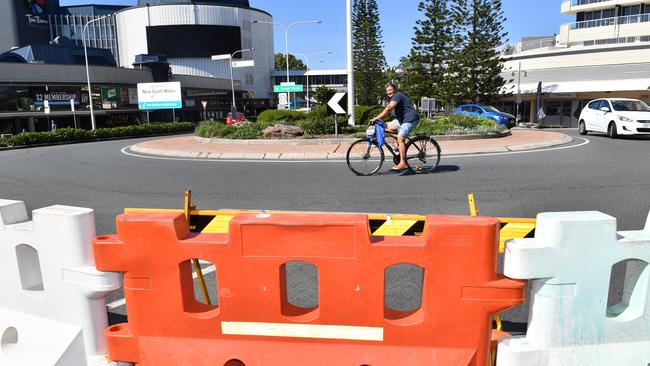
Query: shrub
458, 125
74, 134
318, 126
215, 129
320, 112
274, 115
363, 113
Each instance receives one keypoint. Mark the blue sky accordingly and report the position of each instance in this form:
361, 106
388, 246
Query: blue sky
525, 18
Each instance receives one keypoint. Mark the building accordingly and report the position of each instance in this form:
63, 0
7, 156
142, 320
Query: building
605, 52
44, 62
312, 79
190, 32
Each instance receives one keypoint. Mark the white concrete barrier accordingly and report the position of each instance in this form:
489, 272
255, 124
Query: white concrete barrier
570, 261
52, 299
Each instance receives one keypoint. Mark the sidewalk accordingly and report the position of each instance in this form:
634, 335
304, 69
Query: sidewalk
199, 148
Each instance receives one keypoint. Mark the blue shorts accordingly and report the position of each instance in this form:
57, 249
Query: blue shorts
404, 129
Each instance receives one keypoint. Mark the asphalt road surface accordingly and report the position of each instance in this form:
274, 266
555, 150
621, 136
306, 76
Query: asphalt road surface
596, 173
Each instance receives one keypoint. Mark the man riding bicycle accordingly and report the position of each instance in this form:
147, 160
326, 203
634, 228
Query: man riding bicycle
407, 119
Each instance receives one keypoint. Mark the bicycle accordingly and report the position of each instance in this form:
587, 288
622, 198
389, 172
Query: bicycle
366, 156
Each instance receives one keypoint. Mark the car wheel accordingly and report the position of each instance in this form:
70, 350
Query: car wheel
611, 130
582, 128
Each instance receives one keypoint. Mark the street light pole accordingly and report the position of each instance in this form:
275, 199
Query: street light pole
350, 70
308, 68
90, 92
229, 57
286, 42
519, 89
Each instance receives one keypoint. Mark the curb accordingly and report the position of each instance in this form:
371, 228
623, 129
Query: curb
564, 140
93, 140
288, 156
329, 141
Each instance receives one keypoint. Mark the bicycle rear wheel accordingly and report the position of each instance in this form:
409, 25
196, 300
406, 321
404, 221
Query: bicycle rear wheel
423, 154
364, 157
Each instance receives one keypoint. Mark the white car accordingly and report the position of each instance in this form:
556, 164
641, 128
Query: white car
615, 116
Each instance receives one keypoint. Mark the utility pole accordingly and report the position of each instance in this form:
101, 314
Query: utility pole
350, 65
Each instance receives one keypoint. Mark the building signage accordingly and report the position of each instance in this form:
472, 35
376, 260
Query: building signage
159, 95
36, 13
55, 98
111, 94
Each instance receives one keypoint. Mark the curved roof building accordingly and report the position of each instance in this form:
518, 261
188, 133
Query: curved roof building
190, 32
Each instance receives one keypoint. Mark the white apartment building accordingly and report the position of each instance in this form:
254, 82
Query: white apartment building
605, 52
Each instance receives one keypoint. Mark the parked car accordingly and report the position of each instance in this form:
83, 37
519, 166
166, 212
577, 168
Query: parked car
615, 116
240, 118
505, 119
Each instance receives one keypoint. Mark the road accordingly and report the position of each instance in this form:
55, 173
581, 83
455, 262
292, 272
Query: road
612, 176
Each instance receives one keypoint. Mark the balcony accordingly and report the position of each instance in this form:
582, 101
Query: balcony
607, 22
615, 30
570, 7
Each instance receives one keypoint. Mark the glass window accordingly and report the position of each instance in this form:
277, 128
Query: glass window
608, 13
631, 10
488, 108
595, 105
630, 106
604, 104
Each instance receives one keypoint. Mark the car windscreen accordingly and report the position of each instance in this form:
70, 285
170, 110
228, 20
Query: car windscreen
490, 109
630, 106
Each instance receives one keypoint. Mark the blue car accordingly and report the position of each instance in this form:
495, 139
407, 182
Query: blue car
505, 119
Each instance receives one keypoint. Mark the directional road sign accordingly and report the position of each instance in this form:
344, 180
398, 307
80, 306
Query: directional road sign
287, 88
338, 104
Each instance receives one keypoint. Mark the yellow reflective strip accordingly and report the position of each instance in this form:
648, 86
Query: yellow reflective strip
394, 227
397, 217
513, 220
514, 231
151, 210
218, 225
346, 332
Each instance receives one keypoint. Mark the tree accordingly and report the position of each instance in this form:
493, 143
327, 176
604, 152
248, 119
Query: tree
294, 62
426, 66
476, 63
323, 94
368, 54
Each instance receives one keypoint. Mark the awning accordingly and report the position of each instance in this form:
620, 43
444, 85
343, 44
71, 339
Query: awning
581, 86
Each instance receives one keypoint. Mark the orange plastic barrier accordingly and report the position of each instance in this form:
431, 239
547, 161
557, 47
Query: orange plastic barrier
254, 324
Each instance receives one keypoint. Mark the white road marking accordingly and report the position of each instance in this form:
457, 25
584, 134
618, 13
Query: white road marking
129, 153
121, 302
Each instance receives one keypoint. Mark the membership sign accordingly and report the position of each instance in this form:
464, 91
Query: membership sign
159, 95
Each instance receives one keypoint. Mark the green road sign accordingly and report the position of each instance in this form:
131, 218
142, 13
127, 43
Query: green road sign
287, 88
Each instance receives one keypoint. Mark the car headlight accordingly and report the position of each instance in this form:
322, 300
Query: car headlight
625, 119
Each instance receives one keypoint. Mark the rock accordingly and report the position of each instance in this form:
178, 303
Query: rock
280, 131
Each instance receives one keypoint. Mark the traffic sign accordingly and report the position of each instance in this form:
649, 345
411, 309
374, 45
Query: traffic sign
247, 63
287, 88
338, 104
283, 99
204, 103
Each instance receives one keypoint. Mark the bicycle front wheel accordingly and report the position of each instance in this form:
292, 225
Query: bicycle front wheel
364, 157
423, 154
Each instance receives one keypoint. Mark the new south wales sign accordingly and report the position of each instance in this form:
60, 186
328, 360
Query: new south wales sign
159, 95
